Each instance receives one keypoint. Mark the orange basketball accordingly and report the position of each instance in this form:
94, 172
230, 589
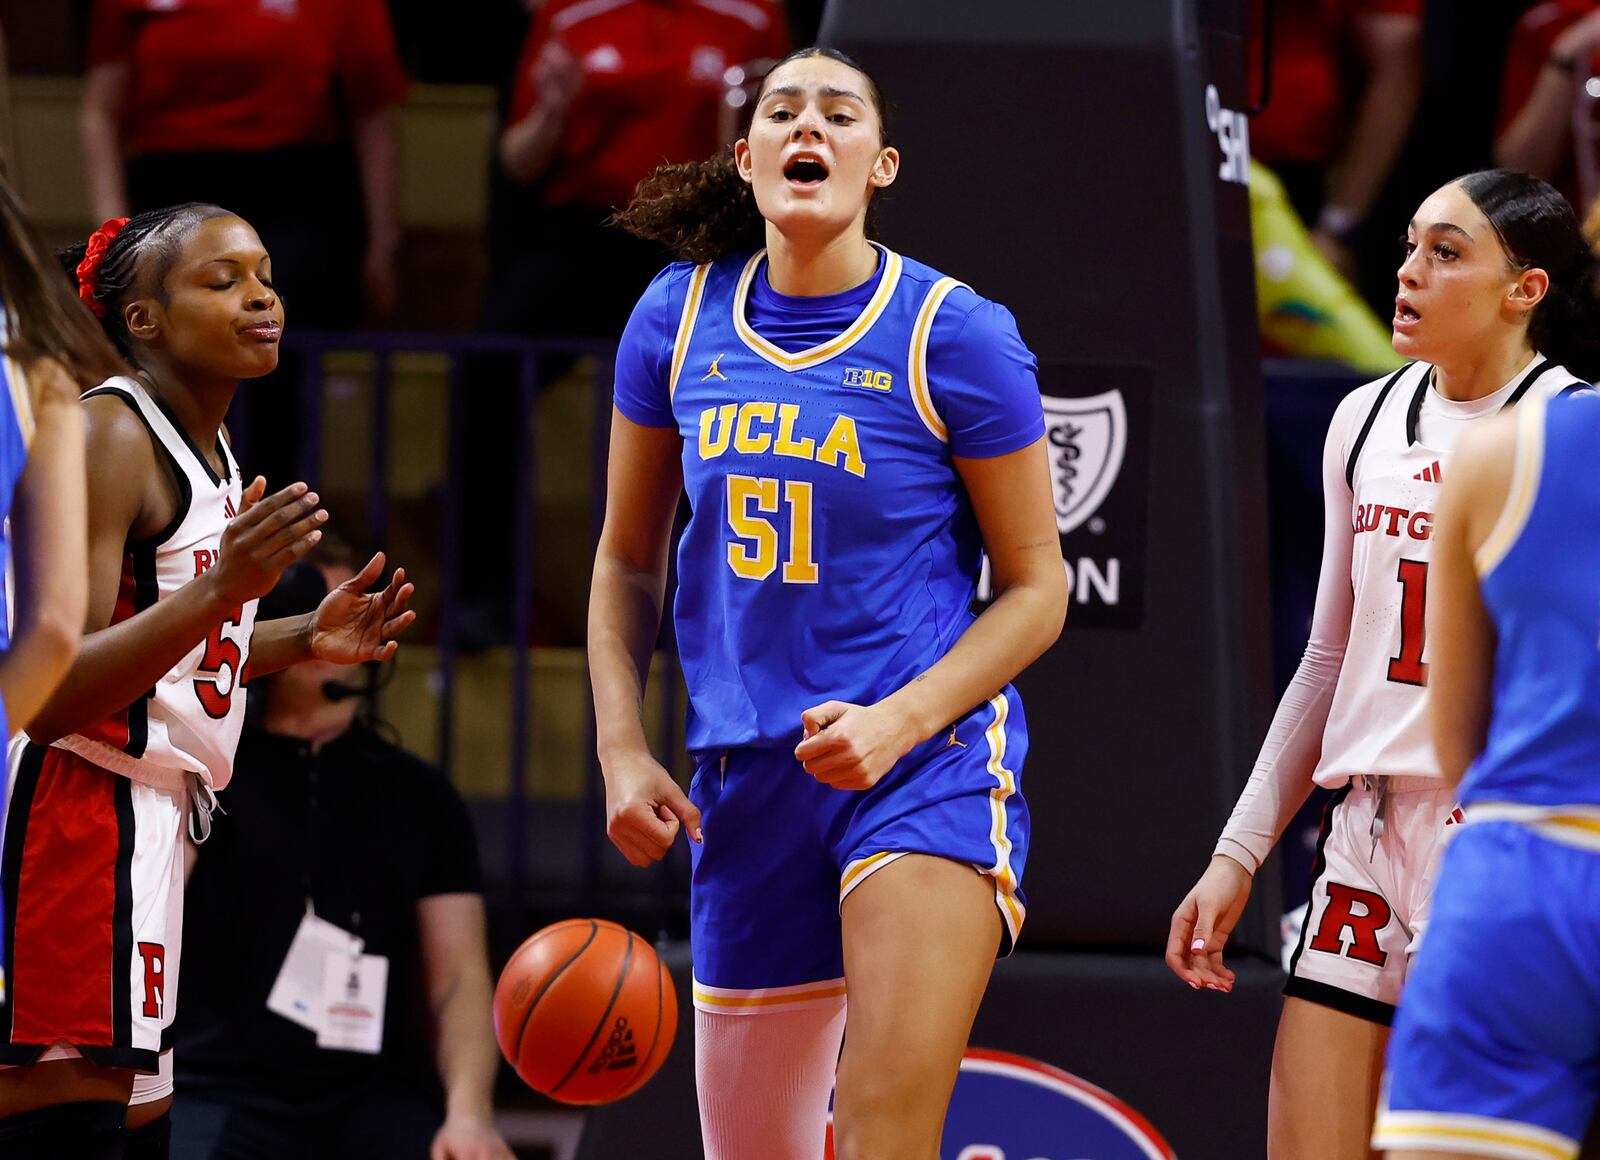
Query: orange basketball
585, 1012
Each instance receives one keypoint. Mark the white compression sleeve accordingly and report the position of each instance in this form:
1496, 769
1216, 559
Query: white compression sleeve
764, 1081
1281, 780
149, 1088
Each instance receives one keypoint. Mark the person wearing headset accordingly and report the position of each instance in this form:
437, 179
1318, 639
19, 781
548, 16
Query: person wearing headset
349, 1015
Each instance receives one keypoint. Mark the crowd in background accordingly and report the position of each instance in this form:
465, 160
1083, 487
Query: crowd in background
1372, 103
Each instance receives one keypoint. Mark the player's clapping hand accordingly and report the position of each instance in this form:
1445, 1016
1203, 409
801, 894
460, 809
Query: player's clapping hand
352, 625
1202, 923
469, 1138
851, 746
645, 809
265, 537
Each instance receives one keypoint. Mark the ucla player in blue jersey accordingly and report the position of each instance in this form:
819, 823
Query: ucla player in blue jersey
1496, 1048
852, 430
50, 349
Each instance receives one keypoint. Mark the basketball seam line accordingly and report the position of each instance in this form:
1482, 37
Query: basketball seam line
622, 976
594, 930
638, 1080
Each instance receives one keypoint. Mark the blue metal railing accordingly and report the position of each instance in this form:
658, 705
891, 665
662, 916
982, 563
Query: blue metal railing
525, 356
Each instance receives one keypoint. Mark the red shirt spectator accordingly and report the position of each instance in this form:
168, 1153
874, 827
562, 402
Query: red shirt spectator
1542, 143
650, 87
246, 74
1315, 70
1346, 80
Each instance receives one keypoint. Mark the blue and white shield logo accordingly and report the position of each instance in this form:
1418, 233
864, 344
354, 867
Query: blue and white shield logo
1087, 438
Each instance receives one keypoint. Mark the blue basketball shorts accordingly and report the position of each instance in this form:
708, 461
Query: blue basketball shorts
1496, 1045
782, 852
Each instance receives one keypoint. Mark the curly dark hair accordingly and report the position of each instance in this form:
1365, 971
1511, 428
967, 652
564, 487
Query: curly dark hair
701, 210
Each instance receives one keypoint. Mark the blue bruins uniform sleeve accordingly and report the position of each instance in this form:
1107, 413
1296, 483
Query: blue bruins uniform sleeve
983, 378
644, 356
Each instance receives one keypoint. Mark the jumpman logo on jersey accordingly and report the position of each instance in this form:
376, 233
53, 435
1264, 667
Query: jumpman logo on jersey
952, 740
714, 373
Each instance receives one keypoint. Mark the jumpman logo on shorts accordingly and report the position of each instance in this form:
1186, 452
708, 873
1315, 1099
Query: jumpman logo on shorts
714, 373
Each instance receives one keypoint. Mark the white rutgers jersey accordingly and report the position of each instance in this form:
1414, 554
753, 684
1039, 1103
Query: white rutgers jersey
1396, 455
190, 721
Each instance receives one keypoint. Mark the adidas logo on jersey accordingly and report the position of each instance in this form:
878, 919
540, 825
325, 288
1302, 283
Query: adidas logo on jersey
1430, 473
619, 1051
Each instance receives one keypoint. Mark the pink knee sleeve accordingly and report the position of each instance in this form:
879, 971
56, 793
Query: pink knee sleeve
764, 1081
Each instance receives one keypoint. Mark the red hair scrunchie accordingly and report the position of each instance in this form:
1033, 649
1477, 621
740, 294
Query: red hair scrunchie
95, 253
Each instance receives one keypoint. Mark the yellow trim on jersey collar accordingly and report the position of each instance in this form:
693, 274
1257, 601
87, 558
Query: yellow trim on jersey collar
822, 352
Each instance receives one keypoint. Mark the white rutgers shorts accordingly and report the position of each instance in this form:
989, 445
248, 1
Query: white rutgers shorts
91, 870
1371, 888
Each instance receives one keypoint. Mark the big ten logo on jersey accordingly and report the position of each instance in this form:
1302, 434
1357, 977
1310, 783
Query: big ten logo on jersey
1232, 128
1010, 1107
872, 380
154, 956
1098, 451
1350, 924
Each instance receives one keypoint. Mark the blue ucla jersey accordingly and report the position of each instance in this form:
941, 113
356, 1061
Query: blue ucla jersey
16, 431
1540, 577
832, 551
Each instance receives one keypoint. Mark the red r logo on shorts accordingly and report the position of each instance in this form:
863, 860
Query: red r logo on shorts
155, 978
1340, 916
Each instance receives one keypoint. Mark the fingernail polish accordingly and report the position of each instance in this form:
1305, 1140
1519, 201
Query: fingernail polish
1197, 946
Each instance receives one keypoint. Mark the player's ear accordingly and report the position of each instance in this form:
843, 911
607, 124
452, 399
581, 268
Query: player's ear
1529, 290
886, 168
741, 160
142, 317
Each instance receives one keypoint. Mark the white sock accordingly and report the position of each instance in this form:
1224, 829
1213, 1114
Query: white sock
764, 1081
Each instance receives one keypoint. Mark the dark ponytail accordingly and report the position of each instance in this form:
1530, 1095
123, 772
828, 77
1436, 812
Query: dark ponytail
45, 318
701, 210
136, 262
1538, 228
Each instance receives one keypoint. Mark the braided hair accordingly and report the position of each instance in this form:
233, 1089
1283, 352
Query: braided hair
1538, 228
128, 257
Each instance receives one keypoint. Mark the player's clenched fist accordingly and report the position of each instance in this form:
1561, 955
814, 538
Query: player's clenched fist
645, 809
852, 746
265, 538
